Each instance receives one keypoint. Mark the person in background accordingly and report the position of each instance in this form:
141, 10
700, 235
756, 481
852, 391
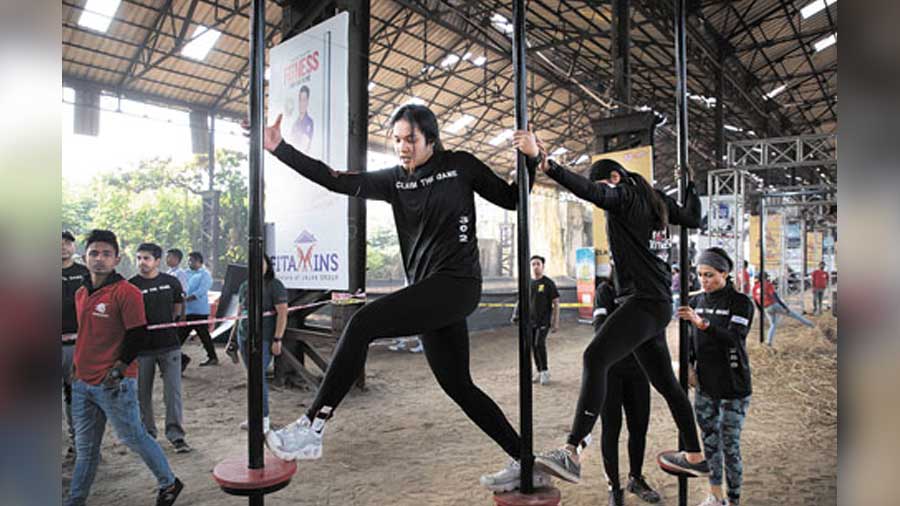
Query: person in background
197, 298
720, 371
543, 316
274, 298
112, 330
743, 281
163, 298
819, 285
73, 276
628, 389
173, 264
774, 307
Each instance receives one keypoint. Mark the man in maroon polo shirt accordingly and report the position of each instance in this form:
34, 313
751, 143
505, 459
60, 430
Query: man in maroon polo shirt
112, 328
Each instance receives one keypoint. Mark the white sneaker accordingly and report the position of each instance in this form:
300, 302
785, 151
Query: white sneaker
296, 441
536, 377
245, 425
712, 501
545, 377
510, 477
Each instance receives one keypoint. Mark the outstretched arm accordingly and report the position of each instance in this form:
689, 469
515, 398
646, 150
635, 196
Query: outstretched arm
689, 214
367, 185
601, 195
490, 186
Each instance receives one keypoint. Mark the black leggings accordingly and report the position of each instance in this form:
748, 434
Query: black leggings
637, 326
539, 346
202, 332
627, 388
436, 308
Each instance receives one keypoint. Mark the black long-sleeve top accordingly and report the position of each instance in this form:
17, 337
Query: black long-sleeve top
641, 253
434, 206
720, 351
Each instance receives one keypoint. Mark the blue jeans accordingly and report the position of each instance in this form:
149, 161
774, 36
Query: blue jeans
775, 313
267, 359
92, 406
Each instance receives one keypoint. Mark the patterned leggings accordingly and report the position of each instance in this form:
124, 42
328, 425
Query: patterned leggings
721, 421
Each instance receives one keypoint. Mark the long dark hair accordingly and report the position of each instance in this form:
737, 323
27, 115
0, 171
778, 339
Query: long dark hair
421, 117
660, 211
270, 273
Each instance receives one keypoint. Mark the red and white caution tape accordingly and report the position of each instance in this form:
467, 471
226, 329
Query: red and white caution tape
336, 298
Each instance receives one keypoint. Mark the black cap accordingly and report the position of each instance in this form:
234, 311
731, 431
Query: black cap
67, 235
601, 169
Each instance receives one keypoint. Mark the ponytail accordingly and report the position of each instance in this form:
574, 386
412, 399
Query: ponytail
660, 211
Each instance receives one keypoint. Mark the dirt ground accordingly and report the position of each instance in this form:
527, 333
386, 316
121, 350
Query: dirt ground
403, 442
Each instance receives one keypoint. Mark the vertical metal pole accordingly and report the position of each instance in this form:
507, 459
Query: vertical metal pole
255, 282
682, 112
526, 453
762, 267
213, 251
358, 72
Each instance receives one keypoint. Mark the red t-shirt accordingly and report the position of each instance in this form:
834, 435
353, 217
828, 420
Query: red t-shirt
744, 281
820, 279
103, 318
770, 294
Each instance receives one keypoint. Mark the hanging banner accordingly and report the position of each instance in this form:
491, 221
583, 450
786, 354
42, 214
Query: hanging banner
813, 250
584, 284
307, 229
773, 241
639, 160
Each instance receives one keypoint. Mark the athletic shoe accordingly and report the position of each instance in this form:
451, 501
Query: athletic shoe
185, 360
536, 377
545, 377
168, 495
712, 501
640, 488
245, 425
209, 362
510, 477
232, 352
398, 346
559, 463
181, 446
417, 348
616, 497
676, 462
296, 441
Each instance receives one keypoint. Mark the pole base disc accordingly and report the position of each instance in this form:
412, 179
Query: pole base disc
544, 496
235, 478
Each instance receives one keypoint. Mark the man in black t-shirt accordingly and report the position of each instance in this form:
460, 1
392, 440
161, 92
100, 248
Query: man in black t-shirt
543, 316
73, 275
163, 297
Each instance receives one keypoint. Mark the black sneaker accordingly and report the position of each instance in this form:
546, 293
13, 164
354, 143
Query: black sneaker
209, 361
185, 360
181, 446
616, 497
232, 352
675, 462
639, 487
167, 496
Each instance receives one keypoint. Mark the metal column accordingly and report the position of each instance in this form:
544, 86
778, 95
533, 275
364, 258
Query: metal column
682, 170
526, 453
255, 282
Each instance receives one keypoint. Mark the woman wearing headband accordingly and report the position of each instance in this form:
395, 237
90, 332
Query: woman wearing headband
721, 317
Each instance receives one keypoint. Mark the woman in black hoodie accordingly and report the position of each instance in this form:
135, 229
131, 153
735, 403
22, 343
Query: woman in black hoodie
721, 317
638, 219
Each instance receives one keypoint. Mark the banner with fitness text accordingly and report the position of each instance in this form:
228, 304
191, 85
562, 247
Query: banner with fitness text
306, 225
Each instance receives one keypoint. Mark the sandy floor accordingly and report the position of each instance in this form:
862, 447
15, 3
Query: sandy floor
403, 442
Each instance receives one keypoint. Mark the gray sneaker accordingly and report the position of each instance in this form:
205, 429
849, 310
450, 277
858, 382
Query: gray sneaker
296, 441
559, 463
510, 477
675, 462
545, 377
